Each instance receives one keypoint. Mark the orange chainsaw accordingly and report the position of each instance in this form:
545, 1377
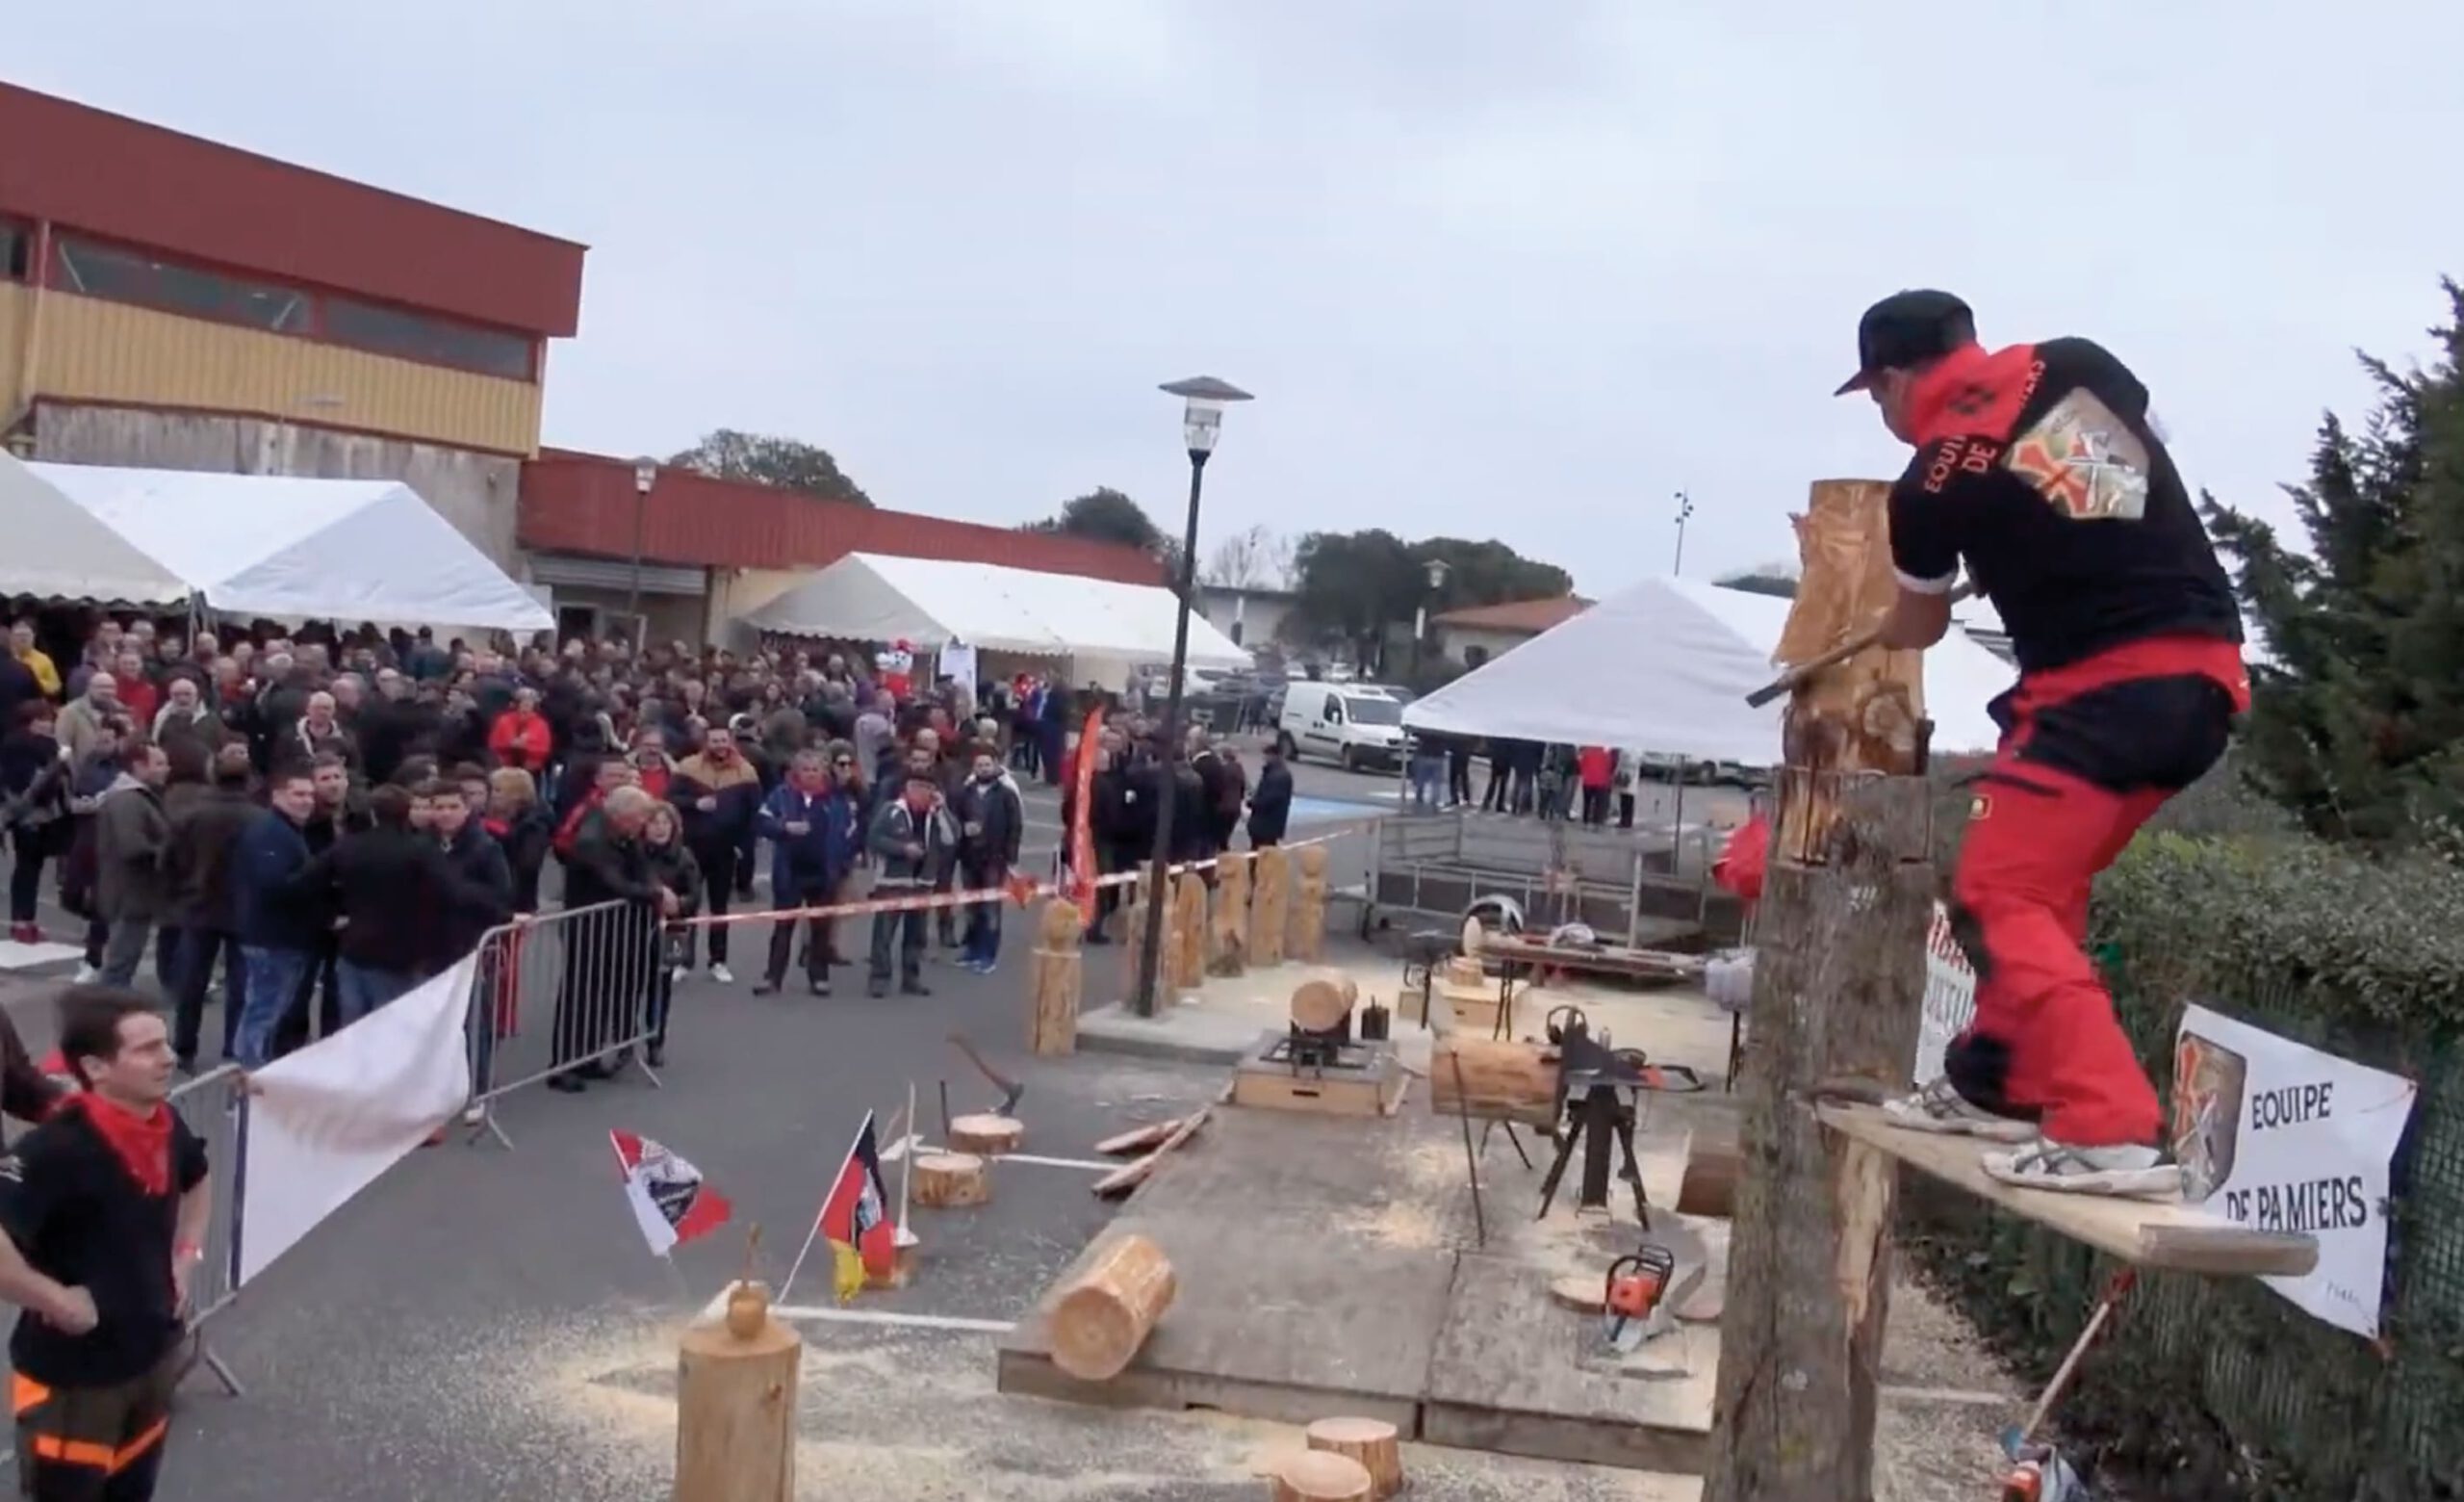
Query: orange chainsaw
1639, 1298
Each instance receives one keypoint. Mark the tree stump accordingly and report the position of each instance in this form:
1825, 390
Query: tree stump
1186, 963
948, 1180
1105, 1314
1058, 982
1228, 952
1320, 1476
1320, 1003
1369, 1441
985, 1135
1270, 907
1308, 935
735, 1406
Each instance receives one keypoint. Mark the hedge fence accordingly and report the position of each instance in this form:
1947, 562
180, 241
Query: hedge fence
2212, 1388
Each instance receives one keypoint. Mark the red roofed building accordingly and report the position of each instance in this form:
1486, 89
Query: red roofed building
1474, 636
170, 302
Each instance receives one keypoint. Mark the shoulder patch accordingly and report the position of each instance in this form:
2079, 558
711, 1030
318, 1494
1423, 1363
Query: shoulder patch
12, 1169
2085, 461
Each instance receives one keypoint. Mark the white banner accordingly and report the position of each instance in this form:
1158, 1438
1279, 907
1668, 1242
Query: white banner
2283, 1137
1950, 996
324, 1122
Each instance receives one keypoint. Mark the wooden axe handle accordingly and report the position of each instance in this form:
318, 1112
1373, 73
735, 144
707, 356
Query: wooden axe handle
1011, 1090
1837, 655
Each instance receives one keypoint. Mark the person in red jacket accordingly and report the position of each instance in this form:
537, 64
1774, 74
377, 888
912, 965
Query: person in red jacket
520, 738
2038, 468
1593, 765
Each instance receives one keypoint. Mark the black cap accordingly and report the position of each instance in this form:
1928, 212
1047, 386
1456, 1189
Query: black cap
1908, 328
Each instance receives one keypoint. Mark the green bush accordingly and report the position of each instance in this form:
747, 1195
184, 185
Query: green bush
2219, 1388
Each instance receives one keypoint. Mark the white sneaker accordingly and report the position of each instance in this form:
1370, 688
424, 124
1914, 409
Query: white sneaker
722, 975
1937, 1107
87, 976
676, 974
2127, 1172
474, 1115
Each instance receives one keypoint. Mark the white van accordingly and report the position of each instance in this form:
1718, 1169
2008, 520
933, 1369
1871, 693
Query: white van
1351, 727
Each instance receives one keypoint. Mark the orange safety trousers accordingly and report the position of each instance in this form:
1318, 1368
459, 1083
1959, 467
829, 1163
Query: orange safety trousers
2088, 752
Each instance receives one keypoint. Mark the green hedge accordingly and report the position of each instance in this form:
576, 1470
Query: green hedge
2215, 1388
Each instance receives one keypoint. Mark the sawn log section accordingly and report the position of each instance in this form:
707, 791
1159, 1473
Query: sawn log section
2150, 1232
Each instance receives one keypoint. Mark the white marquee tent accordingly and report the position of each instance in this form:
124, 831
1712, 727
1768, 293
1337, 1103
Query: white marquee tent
931, 602
1665, 667
57, 550
277, 546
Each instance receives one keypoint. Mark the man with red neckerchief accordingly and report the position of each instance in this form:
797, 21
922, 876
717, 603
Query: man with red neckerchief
2038, 468
103, 1212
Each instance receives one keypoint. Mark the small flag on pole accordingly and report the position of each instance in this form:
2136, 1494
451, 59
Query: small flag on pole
669, 1202
855, 1218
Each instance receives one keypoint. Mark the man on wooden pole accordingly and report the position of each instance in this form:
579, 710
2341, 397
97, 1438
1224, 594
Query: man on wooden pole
2038, 468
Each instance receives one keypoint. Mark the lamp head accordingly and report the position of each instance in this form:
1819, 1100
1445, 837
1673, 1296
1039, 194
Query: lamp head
645, 475
1204, 401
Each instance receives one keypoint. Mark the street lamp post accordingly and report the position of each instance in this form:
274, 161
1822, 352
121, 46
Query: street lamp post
1204, 401
645, 476
1685, 509
1436, 573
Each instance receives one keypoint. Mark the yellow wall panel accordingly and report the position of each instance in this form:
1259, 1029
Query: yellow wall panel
13, 300
95, 350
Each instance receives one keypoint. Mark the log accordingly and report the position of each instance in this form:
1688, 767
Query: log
1465, 972
1186, 961
1057, 979
1138, 1139
1307, 940
1104, 1315
1320, 1003
1122, 1180
951, 1179
1369, 1441
985, 1135
1320, 1476
1270, 907
1228, 935
1493, 1079
735, 1405
1838, 985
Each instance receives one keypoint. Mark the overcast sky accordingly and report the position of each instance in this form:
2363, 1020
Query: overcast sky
1492, 269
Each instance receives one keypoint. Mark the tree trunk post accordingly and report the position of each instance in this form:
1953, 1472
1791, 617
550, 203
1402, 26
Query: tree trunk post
735, 1406
1838, 989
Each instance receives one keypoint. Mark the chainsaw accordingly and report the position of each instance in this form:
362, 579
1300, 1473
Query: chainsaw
2039, 1474
1635, 1303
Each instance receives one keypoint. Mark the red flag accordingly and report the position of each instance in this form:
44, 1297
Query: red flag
854, 1215
1082, 829
669, 1202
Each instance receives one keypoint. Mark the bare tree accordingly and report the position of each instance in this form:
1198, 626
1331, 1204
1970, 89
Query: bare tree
1254, 560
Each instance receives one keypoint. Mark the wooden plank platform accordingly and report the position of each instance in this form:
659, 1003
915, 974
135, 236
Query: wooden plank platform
1328, 1265
2149, 1232
1504, 1377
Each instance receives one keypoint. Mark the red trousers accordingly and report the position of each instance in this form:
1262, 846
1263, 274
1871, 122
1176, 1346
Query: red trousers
2089, 750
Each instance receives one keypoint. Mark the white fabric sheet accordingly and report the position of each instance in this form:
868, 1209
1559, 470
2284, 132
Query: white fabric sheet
57, 550
326, 1121
931, 602
290, 548
1665, 666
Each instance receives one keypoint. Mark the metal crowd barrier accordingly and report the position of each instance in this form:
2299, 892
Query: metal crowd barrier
214, 1105
560, 991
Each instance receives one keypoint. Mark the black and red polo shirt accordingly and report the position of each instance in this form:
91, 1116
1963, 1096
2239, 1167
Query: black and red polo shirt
2036, 465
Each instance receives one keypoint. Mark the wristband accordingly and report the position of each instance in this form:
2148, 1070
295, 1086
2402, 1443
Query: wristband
186, 1251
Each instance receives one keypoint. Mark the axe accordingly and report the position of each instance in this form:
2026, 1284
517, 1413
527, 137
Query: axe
1837, 655
1011, 1090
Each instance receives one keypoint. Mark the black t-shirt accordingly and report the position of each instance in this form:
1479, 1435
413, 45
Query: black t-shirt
79, 1218
2040, 470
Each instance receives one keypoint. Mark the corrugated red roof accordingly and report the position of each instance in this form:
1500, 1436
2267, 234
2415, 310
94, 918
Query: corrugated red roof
1532, 617
583, 502
122, 179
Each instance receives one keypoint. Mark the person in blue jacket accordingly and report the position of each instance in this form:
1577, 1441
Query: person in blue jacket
278, 929
812, 829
